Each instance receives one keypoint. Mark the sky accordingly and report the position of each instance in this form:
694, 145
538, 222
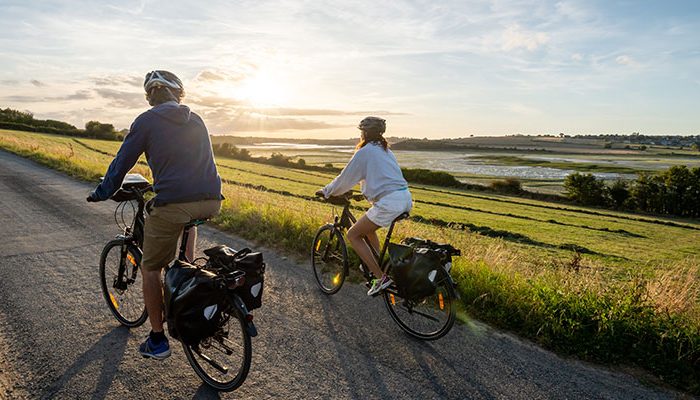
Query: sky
313, 69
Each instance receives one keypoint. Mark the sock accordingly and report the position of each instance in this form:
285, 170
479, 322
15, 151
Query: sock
157, 337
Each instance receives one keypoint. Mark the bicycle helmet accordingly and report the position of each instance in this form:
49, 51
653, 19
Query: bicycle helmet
160, 78
374, 125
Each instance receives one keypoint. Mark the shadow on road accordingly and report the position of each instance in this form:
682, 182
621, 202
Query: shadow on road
206, 392
109, 350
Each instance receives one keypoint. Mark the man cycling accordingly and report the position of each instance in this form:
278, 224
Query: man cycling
185, 179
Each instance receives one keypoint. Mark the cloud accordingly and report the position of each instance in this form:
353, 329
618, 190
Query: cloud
577, 57
523, 110
227, 121
317, 112
514, 37
122, 98
79, 95
9, 82
23, 99
118, 80
626, 60
208, 75
37, 83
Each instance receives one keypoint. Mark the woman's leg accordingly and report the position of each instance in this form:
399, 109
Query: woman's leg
362, 228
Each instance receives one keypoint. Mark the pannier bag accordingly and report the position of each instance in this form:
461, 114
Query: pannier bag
414, 270
194, 302
227, 260
416, 265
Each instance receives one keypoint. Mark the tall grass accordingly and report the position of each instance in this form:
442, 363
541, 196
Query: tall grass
646, 316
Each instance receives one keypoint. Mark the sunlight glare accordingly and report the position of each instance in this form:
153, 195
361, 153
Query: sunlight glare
262, 89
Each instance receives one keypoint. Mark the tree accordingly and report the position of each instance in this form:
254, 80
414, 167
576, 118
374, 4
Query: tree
99, 130
585, 189
618, 193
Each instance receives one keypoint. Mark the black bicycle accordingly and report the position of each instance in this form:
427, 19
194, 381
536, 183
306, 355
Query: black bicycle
426, 318
222, 360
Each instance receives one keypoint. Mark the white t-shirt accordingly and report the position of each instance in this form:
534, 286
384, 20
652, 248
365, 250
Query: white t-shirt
375, 169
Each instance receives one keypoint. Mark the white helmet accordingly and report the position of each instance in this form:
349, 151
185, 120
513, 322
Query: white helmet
162, 78
373, 125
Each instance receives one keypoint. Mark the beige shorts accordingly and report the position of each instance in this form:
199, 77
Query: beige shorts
164, 226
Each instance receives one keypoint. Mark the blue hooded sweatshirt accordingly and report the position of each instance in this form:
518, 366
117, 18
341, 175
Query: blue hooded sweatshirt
178, 150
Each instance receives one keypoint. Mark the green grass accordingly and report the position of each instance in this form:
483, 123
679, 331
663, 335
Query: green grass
630, 295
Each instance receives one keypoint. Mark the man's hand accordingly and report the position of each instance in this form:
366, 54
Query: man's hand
92, 197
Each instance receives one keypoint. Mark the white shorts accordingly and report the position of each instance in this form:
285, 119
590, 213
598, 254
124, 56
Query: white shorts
386, 209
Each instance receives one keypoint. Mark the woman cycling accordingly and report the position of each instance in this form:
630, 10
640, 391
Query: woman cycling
382, 183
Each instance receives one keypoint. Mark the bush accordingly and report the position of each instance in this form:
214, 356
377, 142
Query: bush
618, 193
508, 185
428, 177
585, 189
99, 130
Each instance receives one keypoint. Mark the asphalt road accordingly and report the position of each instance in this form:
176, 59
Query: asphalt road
58, 339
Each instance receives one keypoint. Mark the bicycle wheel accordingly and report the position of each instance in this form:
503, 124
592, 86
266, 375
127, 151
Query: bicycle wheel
123, 294
329, 259
428, 318
223, 360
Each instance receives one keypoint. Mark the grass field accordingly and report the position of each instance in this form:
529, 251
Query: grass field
603, 285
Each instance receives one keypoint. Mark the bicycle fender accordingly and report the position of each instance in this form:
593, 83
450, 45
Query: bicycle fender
249, 325
454, 285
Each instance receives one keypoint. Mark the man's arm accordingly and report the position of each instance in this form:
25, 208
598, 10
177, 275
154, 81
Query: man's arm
131, 149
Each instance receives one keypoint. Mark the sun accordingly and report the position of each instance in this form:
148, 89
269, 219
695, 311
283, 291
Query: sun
262, 89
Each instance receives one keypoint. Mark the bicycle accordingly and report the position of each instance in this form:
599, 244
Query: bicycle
427, 318
221, 361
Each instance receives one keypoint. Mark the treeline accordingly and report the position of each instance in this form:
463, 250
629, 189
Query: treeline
25, 121
277, 159
675, 191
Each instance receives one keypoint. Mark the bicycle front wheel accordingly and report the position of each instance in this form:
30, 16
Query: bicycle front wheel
428, 318
223, 360
329, 259
121, 283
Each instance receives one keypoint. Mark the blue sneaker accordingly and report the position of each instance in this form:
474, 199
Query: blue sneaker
159, 351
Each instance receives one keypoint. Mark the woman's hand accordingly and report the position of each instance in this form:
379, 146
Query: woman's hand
319, 193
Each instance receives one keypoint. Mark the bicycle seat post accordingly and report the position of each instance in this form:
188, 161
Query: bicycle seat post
388, 238
182, 255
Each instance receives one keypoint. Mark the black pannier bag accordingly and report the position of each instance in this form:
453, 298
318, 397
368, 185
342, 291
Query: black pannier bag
194, 301
417, 265
226, 259
414, 270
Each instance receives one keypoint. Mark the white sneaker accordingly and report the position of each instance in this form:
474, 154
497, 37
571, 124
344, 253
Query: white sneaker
379, 284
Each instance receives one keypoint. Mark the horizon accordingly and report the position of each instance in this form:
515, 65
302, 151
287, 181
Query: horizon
295, 70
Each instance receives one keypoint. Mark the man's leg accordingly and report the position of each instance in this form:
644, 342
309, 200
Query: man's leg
153, 297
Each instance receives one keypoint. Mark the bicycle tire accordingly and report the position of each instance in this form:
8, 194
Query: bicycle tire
329, 245
415, 321
201, 368
126, 304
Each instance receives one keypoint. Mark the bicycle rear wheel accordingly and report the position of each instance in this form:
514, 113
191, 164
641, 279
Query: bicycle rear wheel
329, 259
122, 288
428, 318
223, 360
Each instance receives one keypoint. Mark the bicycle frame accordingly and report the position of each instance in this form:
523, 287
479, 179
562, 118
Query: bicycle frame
346, 220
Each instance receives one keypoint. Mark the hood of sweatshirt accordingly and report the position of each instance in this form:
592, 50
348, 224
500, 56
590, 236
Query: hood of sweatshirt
172, 111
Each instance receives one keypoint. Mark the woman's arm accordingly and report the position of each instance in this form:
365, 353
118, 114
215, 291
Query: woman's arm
351, 175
